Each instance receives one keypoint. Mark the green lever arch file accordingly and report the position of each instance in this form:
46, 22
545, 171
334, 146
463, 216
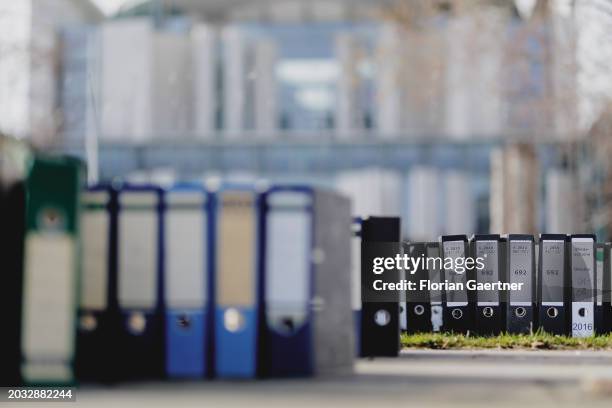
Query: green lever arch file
51, 263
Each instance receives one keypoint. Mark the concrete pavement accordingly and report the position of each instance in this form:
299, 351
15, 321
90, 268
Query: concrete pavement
418, 378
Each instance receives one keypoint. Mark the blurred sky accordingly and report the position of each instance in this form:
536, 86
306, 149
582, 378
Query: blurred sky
110, 6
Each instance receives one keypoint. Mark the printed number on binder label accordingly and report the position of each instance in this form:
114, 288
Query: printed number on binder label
582, 326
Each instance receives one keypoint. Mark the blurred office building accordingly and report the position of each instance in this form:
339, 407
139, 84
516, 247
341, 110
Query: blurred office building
437, 111
29, 64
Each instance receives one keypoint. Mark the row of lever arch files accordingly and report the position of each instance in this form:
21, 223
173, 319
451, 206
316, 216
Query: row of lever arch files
136, 282
566, 286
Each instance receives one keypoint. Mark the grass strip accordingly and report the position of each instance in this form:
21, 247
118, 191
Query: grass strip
535, 341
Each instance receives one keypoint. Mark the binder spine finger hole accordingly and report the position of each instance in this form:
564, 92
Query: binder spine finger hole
520, 311
487, 311
288, 325
582, 312
233, 320
137, 323
552, 312
457, 314
382, 317
419, 310
184, 322
52, 219
88, 322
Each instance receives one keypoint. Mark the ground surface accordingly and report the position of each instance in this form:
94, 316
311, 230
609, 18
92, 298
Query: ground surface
418, 378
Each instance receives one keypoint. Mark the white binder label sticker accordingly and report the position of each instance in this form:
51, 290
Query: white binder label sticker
488, 251
50, 296
553, 258
185, 257
455, 250
521, 270
138, 234
288, 255
94, 279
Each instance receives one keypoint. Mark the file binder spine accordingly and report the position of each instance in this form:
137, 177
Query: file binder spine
239, 285
51, 271
356, 281
379, 320
12, 208
607, 288
15, 162
536, 272
187, 282
141, 282
435, 274
211, 238
418, 307
600, 258
403, 295
583, 270
98, 313
403, 306
521, 270
331, 309
504, 277
459, 313
552, 280
490, 315
288, 247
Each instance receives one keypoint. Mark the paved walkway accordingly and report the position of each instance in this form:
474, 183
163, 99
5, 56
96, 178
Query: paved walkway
416, 379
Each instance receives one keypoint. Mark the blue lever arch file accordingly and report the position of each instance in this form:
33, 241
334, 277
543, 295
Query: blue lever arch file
288, 270
238, 284
187, 282
303, 263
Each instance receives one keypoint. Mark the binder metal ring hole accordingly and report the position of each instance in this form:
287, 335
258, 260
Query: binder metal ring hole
137, 323
233, 320
88, 322
419, 310
487, 311
382, 317
552, 312
457, 314
582, 312
520, 311
184, 321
